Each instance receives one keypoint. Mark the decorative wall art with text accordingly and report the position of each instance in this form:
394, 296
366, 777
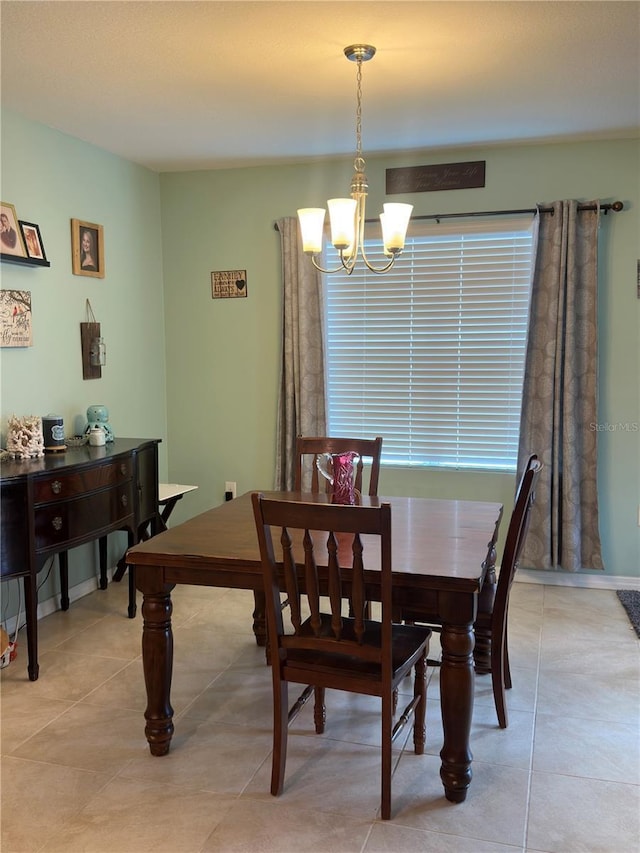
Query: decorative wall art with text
228, 283
436, 178
15, 318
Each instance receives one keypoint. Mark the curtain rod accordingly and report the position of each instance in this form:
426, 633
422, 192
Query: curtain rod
616, 206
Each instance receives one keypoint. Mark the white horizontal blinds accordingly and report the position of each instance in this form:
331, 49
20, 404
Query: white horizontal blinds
430, 355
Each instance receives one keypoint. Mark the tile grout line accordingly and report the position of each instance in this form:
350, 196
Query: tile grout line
533, 732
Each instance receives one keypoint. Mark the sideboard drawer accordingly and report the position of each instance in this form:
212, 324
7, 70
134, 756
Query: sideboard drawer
73, 521
59, 487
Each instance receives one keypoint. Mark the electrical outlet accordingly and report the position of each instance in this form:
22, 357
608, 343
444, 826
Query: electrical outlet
230, 490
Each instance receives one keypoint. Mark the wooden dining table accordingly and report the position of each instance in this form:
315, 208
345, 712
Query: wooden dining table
442, 551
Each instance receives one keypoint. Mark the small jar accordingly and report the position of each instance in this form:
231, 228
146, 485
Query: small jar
97, 437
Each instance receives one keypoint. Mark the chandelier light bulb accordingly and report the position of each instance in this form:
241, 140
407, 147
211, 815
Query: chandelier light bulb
342, 215
395, 221
311, 227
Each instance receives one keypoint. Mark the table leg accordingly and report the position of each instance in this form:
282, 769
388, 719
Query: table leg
31, 613
102, 551
456, 699
167, 510
131, 610
63, 560
157, 525
121, 568
157, 660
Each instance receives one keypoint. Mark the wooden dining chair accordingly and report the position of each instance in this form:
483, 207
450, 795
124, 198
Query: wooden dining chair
309, 448
493, 622
327, 649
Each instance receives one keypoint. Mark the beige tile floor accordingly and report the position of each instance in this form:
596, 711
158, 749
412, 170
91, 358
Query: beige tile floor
77, 774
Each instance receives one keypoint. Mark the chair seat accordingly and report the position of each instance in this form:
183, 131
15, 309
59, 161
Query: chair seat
407, 643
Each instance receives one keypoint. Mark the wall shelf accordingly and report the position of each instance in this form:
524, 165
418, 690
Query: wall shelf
24, 262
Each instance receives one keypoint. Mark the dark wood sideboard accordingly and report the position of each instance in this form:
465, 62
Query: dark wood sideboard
65, 499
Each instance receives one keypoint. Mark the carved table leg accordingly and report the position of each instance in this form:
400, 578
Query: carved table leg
157, 659
259, 619
456, 698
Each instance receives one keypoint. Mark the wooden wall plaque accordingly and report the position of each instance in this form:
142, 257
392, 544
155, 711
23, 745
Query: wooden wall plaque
429, 179
228, 283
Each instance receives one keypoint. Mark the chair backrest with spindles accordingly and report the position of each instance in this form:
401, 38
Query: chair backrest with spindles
324, 546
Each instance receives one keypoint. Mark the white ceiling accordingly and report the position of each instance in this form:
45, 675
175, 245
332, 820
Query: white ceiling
196, 85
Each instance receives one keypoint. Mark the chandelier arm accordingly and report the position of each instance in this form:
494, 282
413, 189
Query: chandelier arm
331, 272
370, 266
348, 264
360, 243
349, 261
349, 267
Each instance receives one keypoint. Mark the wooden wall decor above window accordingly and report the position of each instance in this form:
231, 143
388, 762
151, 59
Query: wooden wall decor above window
442, 176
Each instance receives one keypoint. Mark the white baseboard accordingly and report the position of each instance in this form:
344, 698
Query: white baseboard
50, 605
577, 579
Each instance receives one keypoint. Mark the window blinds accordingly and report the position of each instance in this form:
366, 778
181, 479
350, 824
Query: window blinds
430, 355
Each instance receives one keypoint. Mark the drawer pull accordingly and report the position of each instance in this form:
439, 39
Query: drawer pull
123, 469
124, 500
56, 487
57, 523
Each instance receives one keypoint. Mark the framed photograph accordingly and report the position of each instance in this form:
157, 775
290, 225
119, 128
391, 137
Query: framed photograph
11, 242
87, 248
32, 240
228, 284
15, 318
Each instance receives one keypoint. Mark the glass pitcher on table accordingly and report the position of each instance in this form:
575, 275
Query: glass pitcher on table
339, 469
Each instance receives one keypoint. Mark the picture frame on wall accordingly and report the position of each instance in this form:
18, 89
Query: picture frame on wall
11, 242
15, 318
32, 240
87, 248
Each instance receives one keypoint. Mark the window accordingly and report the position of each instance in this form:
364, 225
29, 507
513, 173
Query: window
430, 355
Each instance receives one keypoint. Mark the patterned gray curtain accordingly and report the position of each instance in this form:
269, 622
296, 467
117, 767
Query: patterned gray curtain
301, 405
559, 407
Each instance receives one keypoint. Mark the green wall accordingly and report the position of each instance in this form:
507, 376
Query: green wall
52, 178
202, 374
223, 356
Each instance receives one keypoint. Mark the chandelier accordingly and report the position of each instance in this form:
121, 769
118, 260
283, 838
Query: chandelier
347, 215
